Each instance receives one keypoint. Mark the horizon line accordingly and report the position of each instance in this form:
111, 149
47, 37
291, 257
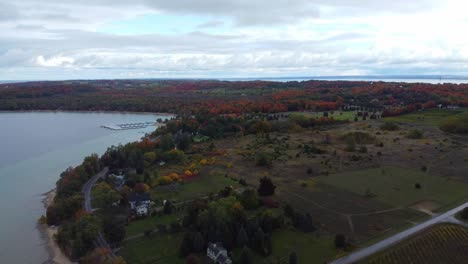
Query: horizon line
302, 78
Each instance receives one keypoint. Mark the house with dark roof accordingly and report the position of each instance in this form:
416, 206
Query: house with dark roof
218, 254
140, 203
118, 180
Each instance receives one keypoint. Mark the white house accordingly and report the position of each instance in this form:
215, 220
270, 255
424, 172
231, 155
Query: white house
140, 203
218, 254
142, 210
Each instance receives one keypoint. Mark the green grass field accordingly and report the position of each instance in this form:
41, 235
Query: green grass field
160, 248
430, 117
197, 187
396, 186
309, 248
150, 222
337, 115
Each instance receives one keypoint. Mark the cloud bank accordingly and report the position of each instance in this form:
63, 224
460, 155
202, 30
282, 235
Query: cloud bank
211, 38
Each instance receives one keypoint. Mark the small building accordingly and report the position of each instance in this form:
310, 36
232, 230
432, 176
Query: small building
142, 210
139, 203
118, 179
453, 107
218, 254
240, 190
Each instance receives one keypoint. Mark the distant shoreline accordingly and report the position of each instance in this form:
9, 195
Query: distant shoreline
371, 78
86, 111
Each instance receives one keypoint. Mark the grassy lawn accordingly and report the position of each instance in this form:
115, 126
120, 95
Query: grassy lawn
150, 222
197, 187
395, 186
337, 115
309, 248
157, 249
430, 117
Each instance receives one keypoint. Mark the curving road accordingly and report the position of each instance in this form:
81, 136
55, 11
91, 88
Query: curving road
88, 186
100, 241
366, 252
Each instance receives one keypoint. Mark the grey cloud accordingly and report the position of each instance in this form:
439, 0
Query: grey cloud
62, 37
29, 27
211, 24
243, 12
347, 36
8, 12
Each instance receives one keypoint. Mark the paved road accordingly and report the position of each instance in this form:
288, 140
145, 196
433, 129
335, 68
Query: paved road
365, 252
88, 186
100, 241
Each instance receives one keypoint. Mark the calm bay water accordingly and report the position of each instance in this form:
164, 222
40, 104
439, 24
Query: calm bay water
384, 78
35, 147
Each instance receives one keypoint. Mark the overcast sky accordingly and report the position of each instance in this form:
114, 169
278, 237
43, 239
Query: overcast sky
64, 39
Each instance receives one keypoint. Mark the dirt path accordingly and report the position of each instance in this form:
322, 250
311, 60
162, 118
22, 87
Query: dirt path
340, 213
345, 215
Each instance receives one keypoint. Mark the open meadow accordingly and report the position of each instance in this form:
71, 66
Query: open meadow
430, 116
159, 248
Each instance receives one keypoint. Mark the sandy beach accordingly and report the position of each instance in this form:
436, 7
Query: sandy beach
56, 254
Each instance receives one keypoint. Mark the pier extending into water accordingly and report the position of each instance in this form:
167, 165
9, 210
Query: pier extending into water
130, 126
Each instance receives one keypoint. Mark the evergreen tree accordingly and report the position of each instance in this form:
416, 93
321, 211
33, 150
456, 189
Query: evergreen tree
289, 211
267, 223
266, 187
259, 241
168, 207
308, 224
211, 234
242, 238
340, 241
166, 142
292, 258
246, 256
186, 245
226, 236
252, 227
268, 247
198, 242
146, 177
183, 141
249, 199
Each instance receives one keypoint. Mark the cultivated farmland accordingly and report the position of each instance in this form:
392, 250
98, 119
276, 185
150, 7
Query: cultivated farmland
445, 243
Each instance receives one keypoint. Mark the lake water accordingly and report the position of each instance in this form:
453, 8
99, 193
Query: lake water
35, 147
433, 79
